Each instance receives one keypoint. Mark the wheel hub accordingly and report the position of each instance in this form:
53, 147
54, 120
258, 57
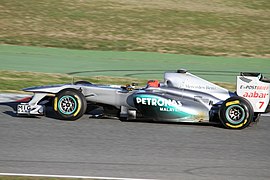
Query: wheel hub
67, 105
235, 114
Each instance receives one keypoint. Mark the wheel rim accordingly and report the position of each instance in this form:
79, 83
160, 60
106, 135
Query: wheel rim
235, 114
67, 105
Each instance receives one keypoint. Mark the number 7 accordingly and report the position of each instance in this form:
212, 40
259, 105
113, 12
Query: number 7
261, 104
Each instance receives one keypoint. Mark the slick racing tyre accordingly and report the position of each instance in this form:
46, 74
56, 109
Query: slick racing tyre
236, 113
69, 104
256, 117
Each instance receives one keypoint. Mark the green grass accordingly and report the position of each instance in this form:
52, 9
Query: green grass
143, 65
211, 27
219, 27
14, 81
30, 66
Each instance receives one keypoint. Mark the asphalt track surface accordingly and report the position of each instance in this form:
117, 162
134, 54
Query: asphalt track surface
111, 148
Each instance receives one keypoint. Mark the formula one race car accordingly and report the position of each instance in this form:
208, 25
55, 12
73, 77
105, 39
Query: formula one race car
182, 97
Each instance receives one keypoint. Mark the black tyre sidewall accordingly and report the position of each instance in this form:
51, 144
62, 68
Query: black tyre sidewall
240, 103
81, 104
256, 117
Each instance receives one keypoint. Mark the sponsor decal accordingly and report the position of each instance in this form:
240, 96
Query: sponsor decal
201, 87
168, 109
167, 105
254, 87
254, 94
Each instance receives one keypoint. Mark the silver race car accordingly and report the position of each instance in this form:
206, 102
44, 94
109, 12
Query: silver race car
181, 97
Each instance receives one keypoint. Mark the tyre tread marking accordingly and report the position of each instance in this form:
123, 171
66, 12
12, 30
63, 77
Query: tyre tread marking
55, 103
79, 105
232, 103
236, 126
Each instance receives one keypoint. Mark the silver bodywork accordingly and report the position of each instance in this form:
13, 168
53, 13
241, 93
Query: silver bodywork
181, 97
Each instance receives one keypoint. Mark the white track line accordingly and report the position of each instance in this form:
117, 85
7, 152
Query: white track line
66, 176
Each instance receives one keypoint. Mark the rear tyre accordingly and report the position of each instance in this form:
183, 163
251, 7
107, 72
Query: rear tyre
256, 117
69, 104
236, 113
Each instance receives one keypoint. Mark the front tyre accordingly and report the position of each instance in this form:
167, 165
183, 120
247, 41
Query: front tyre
236, 113
69, 104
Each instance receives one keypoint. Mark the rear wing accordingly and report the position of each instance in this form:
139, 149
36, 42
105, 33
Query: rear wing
256, 89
